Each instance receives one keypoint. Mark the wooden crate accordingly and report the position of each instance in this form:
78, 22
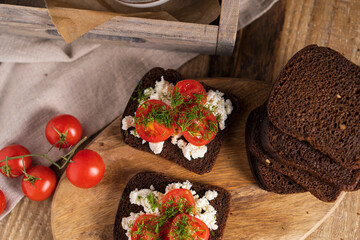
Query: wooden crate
34, 21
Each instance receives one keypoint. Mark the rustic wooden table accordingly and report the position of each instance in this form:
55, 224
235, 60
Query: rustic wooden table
261, 50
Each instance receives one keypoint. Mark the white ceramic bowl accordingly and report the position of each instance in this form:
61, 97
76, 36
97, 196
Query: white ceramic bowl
142, 3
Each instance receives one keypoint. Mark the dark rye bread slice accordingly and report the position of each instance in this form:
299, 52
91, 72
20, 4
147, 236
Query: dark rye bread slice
144, 179
318, 188
267, 178
301, 155
317, 98
170, 151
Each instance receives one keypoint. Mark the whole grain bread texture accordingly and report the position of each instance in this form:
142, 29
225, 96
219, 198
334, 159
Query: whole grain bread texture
144, 179
301, 155
317, 187
316, 98
170, 151
268, 179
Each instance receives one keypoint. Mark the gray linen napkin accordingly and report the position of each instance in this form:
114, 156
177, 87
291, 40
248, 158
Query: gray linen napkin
41, 78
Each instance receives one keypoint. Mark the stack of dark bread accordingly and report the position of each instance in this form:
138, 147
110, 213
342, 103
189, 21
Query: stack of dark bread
306, 137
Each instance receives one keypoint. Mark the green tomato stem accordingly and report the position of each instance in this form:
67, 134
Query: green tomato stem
67, 157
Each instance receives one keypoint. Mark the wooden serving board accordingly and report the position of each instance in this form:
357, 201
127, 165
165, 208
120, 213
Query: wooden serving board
255, 214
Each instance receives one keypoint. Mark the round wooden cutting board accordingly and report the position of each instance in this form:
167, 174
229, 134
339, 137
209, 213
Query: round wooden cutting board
255, 214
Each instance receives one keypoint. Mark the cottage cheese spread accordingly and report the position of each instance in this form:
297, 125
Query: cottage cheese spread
162, 91
191, 151
156, 147
127, 122
204, 211
218, 106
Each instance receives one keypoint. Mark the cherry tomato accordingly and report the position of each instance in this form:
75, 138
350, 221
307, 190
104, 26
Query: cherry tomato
149, 227
69, 128
199, 125
190, 90
189, 226
43, 187
153, 121
2, 202
178, 201
86, 169
15, 166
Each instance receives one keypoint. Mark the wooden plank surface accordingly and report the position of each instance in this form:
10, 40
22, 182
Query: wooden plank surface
131, 31
293, 24
227, 27
254, 213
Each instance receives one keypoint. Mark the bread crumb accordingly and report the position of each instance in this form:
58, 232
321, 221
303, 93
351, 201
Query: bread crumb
342, 126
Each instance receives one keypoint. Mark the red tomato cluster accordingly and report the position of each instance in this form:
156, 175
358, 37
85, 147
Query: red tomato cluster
155, 121
174, 223
86, 169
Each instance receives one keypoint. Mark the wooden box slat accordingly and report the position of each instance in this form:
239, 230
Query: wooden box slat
137, 32
229, 16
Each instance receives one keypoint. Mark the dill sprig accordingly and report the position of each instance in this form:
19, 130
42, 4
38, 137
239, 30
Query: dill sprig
187, 112
183, 228
160, 114
153, 201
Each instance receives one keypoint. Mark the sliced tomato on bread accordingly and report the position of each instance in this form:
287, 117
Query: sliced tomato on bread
153, 121
199, 126
188, 91
149, 227
178, 201
185, 226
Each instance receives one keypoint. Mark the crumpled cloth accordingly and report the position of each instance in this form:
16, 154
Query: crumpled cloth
42, 78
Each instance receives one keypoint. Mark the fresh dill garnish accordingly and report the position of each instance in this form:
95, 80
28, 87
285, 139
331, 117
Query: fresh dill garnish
153, 113
152, 199
183, 228
187, 113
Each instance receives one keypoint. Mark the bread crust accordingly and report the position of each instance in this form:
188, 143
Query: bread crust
143, 180
316, 98
267, 178
170, 151
301, 155
317, 187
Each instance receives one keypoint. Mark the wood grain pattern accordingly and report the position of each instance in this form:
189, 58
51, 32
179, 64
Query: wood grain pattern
331, 23
344, 223
229, 16
30, 3
138, 32
255, 213
253, 57
135, 32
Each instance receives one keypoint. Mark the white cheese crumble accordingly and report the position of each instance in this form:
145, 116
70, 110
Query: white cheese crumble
139, 197
185, 185
218, 106
156, 147
203, 210
191, 151
132, 132
127, 122
175, 137
128, 222
162, 91
211, 195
